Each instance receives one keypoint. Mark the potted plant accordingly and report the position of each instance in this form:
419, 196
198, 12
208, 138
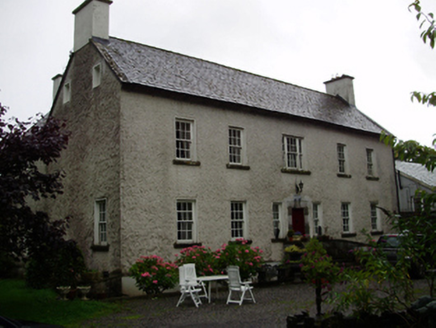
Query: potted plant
297, 236
290, 234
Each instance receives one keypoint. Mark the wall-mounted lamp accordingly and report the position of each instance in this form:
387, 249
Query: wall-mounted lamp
299, 187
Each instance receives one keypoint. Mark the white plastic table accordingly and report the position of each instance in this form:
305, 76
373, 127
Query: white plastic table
209, 279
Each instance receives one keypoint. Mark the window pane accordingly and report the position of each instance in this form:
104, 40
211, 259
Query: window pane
183, 140
345, 217
341, 158
293, 152
374, 223
102, 221
369, 162
185, 220
237, 219
235, 146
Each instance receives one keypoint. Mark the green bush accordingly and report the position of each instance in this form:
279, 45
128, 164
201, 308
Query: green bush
204, 259
7, 265
239, 253
61, 267
376, 286
153, 275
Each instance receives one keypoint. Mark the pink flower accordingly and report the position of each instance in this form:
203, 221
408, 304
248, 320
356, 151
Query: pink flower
154, 281
247, 251
145, 274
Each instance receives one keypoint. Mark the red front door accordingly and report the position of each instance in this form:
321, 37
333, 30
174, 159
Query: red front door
298, 220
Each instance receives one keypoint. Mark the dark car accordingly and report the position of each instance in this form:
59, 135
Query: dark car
392, 245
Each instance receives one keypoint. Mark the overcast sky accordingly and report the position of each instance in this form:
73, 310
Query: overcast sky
300, 42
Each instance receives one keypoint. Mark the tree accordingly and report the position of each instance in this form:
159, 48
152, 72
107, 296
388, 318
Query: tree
412, 151
418, 230
428, 27
24, 146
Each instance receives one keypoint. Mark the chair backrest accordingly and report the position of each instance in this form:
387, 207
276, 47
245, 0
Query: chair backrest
182, 279
234, 277
190, 274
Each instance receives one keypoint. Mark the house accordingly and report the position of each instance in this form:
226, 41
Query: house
410, 178
168, 151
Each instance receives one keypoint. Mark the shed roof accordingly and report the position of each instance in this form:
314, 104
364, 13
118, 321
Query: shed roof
140, 64
417, 172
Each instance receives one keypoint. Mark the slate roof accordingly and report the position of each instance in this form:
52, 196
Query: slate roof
417, 172
136, 63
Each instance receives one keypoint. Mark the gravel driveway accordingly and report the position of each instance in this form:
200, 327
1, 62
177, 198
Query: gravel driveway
274, 303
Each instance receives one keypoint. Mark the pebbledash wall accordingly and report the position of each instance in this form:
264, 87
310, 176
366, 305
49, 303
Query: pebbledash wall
151, 183
91, 161
122, 149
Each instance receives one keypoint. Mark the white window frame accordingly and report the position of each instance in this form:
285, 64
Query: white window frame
277, 218
186, 217
316, 216
370, 167
100, 222
96, 75
185, 139
238, 218
347, 226
341, 151
293, 152
67, 92
236, 146
375, 221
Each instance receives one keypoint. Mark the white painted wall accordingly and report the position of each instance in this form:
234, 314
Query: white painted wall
151, 183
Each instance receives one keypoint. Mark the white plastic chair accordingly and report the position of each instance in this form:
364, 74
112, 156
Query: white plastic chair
191, 278
187, 289
236, 285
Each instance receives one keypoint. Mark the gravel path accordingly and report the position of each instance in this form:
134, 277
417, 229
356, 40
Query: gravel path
273, 304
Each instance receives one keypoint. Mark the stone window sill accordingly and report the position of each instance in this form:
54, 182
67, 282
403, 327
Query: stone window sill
279, 240
184, 245
376, 233
348, 234
343, 175
248, 241
189, 163
295, 171
371, 178
100, 248
238, 167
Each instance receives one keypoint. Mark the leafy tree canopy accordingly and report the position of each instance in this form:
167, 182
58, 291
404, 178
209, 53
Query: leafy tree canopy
412, 151
24, 145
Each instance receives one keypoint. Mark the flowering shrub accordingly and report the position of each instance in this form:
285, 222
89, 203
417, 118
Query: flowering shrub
153, 275
241, 254
204, 259
319, 269
294, 248
209, 263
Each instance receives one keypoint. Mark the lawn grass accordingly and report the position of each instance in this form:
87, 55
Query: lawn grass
41, 305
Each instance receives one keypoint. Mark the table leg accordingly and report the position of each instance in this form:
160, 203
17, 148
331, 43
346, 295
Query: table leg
209, 286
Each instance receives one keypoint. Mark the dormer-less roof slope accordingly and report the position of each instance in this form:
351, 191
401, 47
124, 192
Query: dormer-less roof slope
135, 63
417, 172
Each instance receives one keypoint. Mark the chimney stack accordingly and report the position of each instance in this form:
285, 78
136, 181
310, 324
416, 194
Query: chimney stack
342, 86
91, 19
